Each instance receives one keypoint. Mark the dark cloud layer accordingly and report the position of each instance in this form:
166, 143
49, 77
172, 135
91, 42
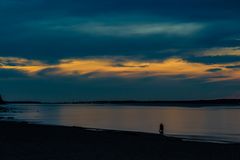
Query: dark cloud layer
43, 29
51, 89
11, 74
137, 29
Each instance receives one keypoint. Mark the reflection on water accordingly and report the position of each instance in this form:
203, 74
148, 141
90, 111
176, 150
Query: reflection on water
214, 123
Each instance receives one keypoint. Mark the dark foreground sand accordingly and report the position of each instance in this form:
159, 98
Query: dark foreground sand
22, 141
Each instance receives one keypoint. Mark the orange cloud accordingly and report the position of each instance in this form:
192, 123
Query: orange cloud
126, 68
28, 66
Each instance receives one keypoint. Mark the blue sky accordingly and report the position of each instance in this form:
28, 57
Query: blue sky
130, 49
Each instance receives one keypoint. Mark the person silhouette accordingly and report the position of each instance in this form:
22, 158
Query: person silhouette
161, 129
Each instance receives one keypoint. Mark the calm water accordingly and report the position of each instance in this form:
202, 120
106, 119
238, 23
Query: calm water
205, 124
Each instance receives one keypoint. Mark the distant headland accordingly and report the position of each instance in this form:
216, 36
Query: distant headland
214, 102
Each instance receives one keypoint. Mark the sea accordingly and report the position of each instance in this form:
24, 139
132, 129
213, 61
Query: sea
218, 124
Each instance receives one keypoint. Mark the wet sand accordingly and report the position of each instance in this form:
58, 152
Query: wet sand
23, 141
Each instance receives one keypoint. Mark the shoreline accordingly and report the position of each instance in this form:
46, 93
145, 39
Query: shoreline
188, 138
21, 140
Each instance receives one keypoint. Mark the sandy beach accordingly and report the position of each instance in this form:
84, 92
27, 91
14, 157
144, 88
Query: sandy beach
23, 141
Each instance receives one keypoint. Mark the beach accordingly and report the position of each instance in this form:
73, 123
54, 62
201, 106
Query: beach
24, 141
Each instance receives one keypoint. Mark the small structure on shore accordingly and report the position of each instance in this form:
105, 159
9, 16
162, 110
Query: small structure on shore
161, 129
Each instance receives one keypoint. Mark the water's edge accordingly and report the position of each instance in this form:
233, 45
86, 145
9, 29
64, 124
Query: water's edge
216, 125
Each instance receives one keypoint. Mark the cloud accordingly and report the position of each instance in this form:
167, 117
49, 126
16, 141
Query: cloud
54, 29
21, 64
214, 70
224, 51
233, 66
119, 26
13, 61
125, 68
11, 74
176, 29
212, 59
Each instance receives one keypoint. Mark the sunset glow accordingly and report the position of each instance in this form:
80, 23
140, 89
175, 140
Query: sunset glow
97, 67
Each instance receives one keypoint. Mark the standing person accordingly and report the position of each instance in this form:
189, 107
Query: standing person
161, 129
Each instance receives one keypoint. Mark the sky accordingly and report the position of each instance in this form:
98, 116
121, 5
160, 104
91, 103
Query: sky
70, 50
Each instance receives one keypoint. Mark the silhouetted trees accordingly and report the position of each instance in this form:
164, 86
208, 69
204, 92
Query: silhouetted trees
1, 100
